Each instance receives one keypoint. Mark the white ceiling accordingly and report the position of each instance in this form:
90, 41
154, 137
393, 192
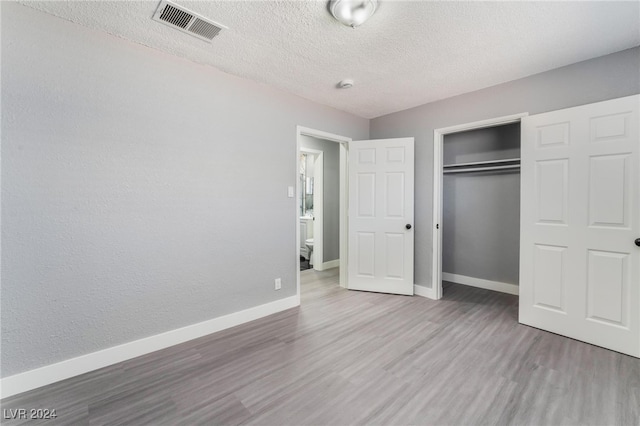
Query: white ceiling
409, 53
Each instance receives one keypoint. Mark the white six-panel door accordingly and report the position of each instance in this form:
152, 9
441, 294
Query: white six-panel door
381, 215
580, 216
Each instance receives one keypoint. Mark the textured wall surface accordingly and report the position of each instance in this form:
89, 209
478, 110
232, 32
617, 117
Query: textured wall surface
481, 210
137, 189
599, 79
331, 196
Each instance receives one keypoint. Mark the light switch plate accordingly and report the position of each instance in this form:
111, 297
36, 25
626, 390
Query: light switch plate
291, 191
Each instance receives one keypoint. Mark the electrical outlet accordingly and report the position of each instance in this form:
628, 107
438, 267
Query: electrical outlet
278, 283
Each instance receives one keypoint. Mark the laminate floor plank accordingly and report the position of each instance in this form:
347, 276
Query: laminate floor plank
349, 357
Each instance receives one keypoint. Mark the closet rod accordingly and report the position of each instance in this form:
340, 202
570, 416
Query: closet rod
482, 169
482, 163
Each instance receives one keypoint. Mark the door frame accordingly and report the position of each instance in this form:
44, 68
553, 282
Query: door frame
438, 140
344, 199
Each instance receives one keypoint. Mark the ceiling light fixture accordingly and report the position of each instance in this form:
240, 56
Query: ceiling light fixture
352, 13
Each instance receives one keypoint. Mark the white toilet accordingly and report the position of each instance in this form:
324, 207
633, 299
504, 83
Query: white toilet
309, 244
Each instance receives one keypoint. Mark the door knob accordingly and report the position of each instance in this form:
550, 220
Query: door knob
637, 241
408, 226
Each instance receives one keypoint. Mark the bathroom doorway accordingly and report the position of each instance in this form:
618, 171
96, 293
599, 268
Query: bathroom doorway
321, 202
310, 200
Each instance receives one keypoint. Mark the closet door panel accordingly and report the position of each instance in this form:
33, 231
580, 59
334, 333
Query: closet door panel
552, 135
552, 191
549, 279
580, 217
609, 185
608, 288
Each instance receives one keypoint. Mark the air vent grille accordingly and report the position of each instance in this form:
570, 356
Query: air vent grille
175, 16
204, 29
186, 21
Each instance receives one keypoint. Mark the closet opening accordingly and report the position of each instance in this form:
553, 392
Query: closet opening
477, 206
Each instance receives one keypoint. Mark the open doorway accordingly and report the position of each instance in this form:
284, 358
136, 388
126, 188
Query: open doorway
311, 203
481, 166
320, 203
321, 206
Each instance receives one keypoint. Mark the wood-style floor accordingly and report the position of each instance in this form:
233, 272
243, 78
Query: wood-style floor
347, 357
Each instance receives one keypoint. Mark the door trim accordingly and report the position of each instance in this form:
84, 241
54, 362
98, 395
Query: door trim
344, 198
318, 212
438, 140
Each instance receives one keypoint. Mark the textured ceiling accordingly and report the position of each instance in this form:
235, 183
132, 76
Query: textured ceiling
409, 53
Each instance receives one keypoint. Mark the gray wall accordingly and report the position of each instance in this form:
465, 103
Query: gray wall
331, 197
136, 189
492, 143
481, 210
599, 79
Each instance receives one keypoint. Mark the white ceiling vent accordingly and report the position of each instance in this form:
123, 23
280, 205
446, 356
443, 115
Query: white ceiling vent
186, 21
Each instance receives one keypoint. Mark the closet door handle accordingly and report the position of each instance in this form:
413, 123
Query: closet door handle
637, 241
408, 226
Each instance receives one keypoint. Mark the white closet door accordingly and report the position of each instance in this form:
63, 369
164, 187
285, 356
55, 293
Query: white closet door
580, 201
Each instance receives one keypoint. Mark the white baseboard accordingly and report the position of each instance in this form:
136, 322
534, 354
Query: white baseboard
427, 292
42, 376
327, 265
478, 282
